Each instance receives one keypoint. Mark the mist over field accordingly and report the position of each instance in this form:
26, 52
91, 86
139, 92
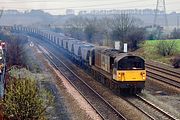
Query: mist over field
38, 18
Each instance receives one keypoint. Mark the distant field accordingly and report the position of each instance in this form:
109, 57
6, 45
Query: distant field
149, 51
154, 42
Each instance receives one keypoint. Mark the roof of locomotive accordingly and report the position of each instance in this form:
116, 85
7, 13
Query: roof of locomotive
100, 48
123, 55
112, 52
108, 51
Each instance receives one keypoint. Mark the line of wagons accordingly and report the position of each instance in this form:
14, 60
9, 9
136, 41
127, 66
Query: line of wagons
122, 72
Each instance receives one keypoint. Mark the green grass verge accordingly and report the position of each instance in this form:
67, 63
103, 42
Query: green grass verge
154, 42
148, 50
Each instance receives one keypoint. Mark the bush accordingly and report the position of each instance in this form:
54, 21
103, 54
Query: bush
176, 62
166, 48
24, 100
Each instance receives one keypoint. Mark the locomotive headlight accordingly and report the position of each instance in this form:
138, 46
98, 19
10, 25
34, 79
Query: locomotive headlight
119, 75
143, 75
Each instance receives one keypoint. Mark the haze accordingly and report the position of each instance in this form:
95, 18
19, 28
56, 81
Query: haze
57, 7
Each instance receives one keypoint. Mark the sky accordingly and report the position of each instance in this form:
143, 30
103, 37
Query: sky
57, 7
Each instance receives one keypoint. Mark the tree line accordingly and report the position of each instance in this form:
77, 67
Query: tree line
106, 30
122, 27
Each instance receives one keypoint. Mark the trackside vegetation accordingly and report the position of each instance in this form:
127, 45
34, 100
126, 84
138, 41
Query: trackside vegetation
158, 50
25, 100
24, 97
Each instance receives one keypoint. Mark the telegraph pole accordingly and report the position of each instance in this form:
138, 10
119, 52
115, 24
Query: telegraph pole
161, 5
1, 13
178, 22
156, 12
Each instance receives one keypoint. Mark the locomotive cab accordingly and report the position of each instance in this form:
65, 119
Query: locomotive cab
129, 70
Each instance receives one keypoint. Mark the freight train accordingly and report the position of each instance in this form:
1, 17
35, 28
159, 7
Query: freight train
122, 72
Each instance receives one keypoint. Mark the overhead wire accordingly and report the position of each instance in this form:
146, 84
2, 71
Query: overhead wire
91, 6
87, 6
63, 1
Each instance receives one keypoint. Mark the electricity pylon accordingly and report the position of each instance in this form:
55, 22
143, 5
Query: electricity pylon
1, 13
160, 6
178, 22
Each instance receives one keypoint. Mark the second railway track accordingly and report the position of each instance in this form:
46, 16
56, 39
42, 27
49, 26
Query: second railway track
149, 109
163, 70
166, 80
167, 76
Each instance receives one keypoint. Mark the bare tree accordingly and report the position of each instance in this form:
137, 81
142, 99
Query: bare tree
121, 27
90, 28
175, 34
126, 29
121, 23
135, 37
15, 48
75, 26
105, 28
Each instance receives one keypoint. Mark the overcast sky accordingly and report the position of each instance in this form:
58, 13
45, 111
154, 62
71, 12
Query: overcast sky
59, 6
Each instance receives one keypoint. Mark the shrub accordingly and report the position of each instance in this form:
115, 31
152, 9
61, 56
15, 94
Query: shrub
176, 62
166, 48
24, 100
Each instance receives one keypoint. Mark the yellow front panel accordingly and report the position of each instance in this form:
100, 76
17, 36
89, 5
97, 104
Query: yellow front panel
131, 75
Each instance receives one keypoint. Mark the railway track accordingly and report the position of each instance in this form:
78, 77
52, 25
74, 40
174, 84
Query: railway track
163, 70
149, 109
164, 75
100, 105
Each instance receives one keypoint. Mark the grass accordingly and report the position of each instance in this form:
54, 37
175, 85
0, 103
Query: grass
154, 42
148, 50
